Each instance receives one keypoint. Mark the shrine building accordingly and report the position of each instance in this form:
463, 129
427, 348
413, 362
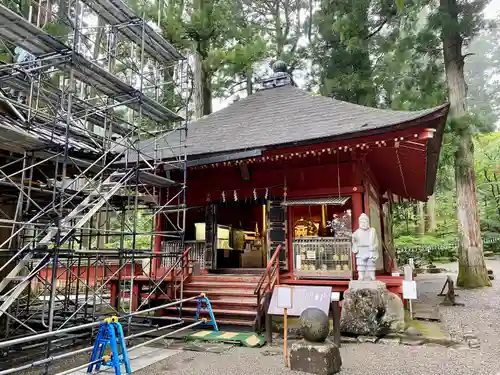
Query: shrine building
285, 168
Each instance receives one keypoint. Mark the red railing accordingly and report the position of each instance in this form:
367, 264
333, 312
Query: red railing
268, 280
183, 271
174, 271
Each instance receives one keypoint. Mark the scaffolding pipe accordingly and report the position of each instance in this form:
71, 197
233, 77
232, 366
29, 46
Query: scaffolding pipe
78, 351
5, 344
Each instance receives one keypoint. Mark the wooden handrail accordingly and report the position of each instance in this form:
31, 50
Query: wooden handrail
272, 269
267, 270
172, 270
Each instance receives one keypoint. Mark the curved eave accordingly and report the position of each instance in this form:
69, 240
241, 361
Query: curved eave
433, 152
438, 116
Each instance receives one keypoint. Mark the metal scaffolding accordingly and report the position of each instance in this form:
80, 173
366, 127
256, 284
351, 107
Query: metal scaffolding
84, 81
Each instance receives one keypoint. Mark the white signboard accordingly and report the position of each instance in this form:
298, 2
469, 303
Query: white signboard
408, 272
409, 289
411, 262
284, 297
303, 298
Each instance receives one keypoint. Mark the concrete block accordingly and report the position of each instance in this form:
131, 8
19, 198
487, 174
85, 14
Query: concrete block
315, 358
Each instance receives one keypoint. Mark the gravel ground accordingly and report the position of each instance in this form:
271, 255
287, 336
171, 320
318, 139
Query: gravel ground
480, 315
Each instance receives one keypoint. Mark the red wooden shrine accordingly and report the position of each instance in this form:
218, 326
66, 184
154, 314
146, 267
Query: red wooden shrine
297, 170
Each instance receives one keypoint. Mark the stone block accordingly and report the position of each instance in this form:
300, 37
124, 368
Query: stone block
349, 340
394, 311
413, 331
315, 358
369, 309
469, 335
413, 341
474, 343
364, 339
390, 340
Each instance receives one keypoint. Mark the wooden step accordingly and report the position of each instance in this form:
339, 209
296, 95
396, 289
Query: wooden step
188, 292
227, 278
225, 321
247, 303
243, 271
191, 310
218, 285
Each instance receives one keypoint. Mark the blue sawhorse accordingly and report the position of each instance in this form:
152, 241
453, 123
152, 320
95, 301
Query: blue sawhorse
204, 304
110, 334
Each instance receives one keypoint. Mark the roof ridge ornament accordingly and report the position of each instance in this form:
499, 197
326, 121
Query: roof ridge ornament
280, 78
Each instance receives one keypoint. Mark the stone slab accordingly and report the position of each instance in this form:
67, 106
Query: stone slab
423, 311
201, 346
315, 358
367, 284
139, 359
433, 332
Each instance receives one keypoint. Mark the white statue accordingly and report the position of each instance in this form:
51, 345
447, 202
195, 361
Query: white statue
365, 246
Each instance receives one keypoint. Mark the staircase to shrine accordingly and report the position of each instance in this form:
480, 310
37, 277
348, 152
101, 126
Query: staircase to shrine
230, 292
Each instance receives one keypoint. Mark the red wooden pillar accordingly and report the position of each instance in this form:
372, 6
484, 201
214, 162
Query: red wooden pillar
114, 293
134, 295
357, 210
289, 240
159, 227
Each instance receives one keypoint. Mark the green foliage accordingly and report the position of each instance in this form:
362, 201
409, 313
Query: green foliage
143, 223
341, 51
487, 164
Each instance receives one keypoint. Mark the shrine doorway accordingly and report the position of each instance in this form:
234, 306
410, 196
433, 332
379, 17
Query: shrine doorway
234, 235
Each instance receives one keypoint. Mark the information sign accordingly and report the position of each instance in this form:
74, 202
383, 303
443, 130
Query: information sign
284, 298
303, 297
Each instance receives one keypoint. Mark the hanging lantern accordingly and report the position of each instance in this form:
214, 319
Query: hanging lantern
223, 197
235, 196
254, 194
266, 194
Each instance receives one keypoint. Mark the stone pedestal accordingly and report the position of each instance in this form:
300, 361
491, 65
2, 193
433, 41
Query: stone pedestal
367, 284
368, 308
322, 358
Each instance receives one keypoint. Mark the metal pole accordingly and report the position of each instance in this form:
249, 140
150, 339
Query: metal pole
75, 352
335, 306
40, 336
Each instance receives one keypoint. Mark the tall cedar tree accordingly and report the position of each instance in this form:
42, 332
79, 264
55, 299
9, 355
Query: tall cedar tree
460, 21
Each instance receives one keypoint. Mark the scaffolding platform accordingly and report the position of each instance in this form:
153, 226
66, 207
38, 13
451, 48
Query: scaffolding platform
116, 13
20, 32
72, 105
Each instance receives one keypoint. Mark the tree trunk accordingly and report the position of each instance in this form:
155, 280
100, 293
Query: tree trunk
431, 214
198, 86
421, 218
472, 268
202, 88
249, 77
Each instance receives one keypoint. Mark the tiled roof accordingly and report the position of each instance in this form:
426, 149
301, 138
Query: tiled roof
280, 115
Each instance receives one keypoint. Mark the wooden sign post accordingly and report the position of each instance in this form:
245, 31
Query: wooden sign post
285, 302
335, 306
409, 287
